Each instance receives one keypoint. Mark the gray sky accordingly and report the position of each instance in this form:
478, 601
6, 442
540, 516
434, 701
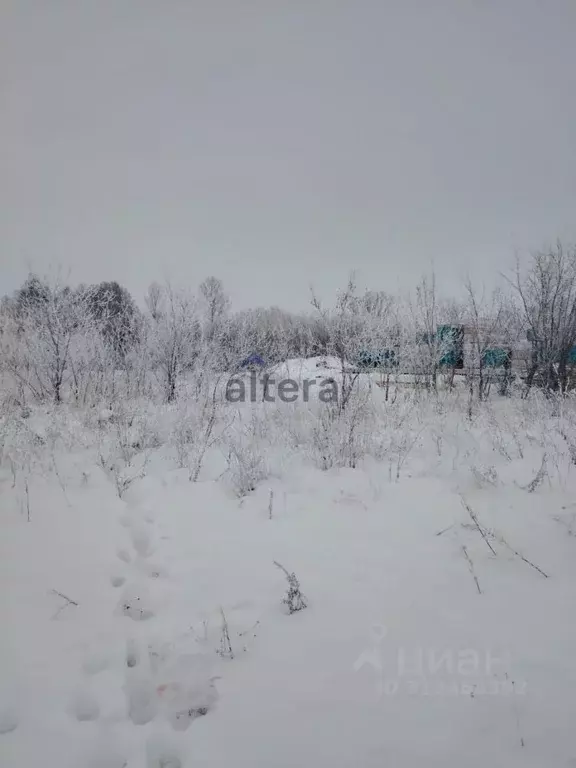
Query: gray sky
275, 143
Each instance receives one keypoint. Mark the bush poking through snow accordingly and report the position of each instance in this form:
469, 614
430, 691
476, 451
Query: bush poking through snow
538, 478
246, 467
342, 438
293, 598
225, 650
485, 475
183, 437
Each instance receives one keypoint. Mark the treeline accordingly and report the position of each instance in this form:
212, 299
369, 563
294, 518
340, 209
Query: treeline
93, 343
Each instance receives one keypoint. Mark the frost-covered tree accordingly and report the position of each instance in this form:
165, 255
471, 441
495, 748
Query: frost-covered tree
47, 318
486, 333
174, 335
424, 348
214, 305
115, 313
547, 298
349, 330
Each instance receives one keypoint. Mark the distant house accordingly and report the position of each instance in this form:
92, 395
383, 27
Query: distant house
499, 357
384, 359
252, 363
451, 340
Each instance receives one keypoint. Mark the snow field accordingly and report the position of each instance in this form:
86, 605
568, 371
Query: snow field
440, 585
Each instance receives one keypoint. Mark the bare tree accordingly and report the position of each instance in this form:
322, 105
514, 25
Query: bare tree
354, 326
174, 336
488, 340
547, 295
47, 319
115, 314
435, 334
215, 305
427, 321
153, 301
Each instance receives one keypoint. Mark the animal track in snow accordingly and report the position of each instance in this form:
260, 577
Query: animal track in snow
181, 719
136, 603
188, 691
124, 555
141, 540
134, 609
8, 720
151, 570
95, 662
125, 520
117, 581
84, 706
108, 759
107, 751
132, 653
142, 699
160, 753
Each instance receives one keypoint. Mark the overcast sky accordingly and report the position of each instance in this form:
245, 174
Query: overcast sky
278, 143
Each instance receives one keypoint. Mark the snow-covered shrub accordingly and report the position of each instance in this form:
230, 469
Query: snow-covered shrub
294, 600
293, 425
184, 435
341, 438
23, 445
323, 434
126, 445
246, 465
485, 475
197, 426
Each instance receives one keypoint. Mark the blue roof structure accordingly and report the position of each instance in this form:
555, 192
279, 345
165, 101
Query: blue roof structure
253, 360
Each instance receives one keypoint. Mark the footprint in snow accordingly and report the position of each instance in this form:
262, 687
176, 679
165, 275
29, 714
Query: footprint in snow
84, 706
151, 570
188, 691
141, 540
123, 555
107, 751
136, 603
135, 610
8, 720
108, 759
161, 753
132, 653
95, 662
141, 697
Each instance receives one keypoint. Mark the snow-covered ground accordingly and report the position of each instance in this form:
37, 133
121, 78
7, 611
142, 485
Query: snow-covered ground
142, 614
